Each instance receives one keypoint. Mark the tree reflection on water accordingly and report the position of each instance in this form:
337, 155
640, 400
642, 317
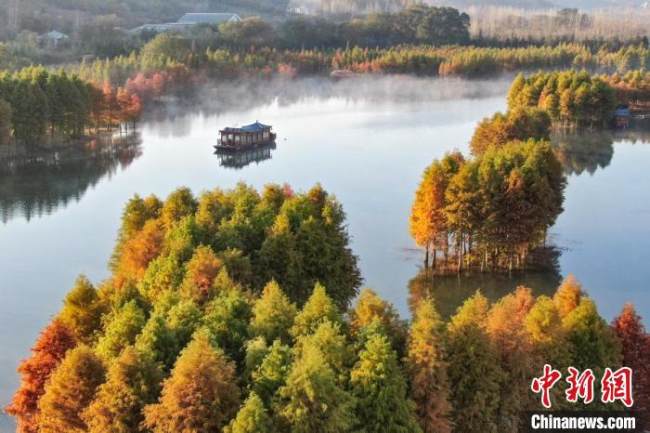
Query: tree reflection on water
588, 151
37, 183
449, 292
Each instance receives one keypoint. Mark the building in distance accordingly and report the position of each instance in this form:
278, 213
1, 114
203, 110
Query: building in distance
187, 21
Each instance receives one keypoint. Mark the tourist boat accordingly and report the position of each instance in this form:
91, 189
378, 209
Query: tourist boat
246, 137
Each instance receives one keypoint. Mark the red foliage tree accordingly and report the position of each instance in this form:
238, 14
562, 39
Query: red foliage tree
158, 83
635, 342
50, 348
110, 106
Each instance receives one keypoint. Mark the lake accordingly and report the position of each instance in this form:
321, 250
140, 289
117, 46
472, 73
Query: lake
365, 140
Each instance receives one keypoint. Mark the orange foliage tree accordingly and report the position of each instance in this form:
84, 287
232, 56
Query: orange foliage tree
635, 345
55, 340
140, 250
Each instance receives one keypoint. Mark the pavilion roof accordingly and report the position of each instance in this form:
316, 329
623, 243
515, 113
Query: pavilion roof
253, 127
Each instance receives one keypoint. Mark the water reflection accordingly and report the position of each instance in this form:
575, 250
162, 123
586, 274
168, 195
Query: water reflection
451, 291
173, 118
37, 183
240, 159
589, 151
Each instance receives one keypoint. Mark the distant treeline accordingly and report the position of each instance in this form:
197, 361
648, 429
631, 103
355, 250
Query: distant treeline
578, 98
186, 335
173, 52
36, 105
510, 24
561, 99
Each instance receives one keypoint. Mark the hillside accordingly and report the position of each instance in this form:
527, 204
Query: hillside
69, 15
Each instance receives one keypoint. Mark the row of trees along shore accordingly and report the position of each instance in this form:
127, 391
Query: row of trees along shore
490, 212
188, 340
547, 100
172, 53
38, 105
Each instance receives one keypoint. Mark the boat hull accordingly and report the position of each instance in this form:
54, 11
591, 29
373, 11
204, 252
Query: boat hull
242, 147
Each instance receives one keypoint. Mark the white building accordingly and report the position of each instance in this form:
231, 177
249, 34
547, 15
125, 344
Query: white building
188, 20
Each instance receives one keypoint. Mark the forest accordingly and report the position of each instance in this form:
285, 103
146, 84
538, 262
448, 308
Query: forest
37, 105
232, 312
108, 93
253, 57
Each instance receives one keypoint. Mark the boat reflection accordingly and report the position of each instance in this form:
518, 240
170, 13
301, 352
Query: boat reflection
238, 159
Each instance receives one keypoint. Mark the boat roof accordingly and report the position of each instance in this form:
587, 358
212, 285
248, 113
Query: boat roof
253, 127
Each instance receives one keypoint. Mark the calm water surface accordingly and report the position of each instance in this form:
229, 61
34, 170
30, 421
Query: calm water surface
366, 141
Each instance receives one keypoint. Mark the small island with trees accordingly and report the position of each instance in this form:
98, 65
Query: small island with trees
242, 310
231, 312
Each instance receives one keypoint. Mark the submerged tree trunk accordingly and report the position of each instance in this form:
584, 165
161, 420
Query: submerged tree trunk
435, 251
426, 256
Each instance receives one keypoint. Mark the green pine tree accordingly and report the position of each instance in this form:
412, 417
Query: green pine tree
318, 308
312, 401
273, 314
381, 390
253, 417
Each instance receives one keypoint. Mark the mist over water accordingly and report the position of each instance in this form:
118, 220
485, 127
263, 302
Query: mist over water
367, 141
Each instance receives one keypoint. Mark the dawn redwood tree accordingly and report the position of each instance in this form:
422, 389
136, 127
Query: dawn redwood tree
253, 417
139, 250
163, 274
334, 346
635, 345
592, 343
273, 314
6, 129
505, 327
120, 330
82, 310
547, 343
132, 381
370, 308
177, 205
69, 391
428, 223
227, 317
181, 239
255, 350
318, 309
516, 124
200, 272
47, 353
200, 396
427, 369
474, 371
158, 341
567, 297
272, 371
380, 388
312, 400
184, 319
